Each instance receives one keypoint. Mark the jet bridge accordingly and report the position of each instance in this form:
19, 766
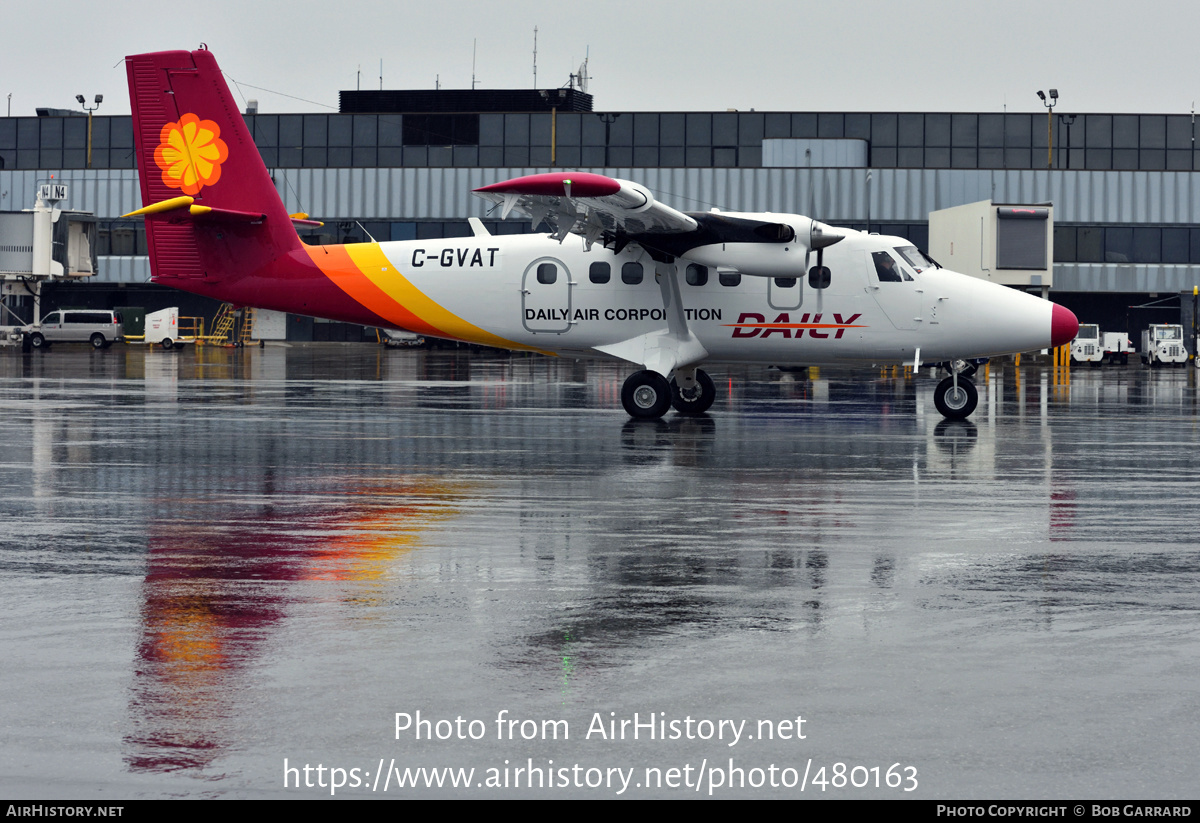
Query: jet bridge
1010, 244
45, 243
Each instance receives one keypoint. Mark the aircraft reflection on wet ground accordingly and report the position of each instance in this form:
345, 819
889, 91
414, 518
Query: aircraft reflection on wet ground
216, 559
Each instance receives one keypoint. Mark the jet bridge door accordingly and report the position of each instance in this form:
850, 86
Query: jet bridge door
546, 296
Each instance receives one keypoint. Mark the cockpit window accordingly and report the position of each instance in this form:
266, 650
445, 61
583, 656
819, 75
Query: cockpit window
913, 256
887, 269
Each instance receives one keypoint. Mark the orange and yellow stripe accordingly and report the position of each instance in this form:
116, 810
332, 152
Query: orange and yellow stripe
364, 273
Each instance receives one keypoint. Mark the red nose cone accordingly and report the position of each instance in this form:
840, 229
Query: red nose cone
1064, 325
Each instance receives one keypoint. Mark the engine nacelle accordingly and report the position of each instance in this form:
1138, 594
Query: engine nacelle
754, 259
771, 259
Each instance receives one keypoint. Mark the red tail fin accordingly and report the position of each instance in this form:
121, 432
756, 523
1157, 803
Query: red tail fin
191, 140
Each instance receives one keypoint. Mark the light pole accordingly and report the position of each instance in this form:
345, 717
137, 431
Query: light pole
89, 110
1068, 120
1049, 104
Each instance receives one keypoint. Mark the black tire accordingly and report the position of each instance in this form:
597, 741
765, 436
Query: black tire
1124, 358
167, 344
38, 341
97, 341
646, 395
703, 395
955, 406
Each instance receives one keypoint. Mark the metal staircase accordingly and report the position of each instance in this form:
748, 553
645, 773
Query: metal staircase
222, 328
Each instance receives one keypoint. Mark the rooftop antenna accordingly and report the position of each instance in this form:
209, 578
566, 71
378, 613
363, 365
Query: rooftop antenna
437, 82
358, 79
535, 57
474, 43
381, 74
580, 80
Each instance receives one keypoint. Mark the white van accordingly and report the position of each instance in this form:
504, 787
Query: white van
100, 327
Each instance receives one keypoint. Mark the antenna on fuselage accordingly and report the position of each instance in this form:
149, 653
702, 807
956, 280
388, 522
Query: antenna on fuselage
364, 231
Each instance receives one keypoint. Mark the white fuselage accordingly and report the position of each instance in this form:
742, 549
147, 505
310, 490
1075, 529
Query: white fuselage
493, 282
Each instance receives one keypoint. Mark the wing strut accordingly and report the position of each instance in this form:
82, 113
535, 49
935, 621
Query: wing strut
663, 350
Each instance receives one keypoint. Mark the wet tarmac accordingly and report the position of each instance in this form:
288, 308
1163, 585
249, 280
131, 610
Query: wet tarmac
219, 567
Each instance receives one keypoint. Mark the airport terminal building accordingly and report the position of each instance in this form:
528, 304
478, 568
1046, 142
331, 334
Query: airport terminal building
401, 165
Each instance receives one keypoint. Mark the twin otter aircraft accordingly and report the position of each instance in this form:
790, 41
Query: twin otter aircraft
664, 290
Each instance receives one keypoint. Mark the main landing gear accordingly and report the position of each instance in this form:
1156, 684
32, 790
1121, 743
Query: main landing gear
647, 394
956, 397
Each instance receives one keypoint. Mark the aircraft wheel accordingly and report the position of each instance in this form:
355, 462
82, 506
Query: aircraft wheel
97, 341
646, 394
167, 343
699, 400
38, 341
955, 404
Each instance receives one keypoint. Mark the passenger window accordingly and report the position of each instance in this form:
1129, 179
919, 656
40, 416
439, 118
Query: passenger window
730, 278
696, 275
631, 274
53, 317
819, 277
600, 272
785, 282
547, 273
886, 268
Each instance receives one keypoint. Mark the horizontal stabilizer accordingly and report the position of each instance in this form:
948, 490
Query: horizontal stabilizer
211, 214
165, 206
185, 206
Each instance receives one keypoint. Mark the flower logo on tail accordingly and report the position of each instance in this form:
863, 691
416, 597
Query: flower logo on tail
190, 154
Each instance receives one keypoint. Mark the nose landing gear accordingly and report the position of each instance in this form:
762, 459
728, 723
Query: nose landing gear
956, 396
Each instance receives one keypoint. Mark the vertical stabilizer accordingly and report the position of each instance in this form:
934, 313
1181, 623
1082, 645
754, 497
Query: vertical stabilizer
192, 142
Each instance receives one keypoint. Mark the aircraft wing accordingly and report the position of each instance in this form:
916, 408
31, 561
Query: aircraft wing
590, 205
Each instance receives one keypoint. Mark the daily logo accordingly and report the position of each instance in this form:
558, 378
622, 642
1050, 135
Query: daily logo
190, 153
750, 324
